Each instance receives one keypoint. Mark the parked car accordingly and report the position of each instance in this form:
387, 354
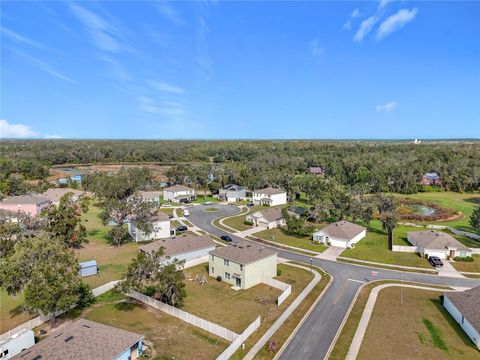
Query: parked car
435, 261
186, 213
250, 204
226, 238
170, 216
182, 228
207, 203
166, 205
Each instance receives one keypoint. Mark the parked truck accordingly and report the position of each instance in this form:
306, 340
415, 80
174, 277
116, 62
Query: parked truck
16, 343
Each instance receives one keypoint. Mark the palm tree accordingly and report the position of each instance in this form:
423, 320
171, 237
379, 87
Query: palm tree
387, 210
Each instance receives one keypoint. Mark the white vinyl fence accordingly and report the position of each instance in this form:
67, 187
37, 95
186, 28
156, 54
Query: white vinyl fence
286, 289
475, 250
187, 317
401, 248
230, 350
39, 320
443, 227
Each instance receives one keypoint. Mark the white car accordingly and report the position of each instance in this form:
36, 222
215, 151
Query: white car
207, 203
186, 213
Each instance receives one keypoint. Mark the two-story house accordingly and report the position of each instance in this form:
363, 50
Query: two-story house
232, 193
269, 196
161, 229
179, 194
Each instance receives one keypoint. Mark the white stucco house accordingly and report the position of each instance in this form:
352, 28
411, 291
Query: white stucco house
340, 234
232, 193
161, 229
243, 264
150, 196
269, 218
437, 243
184, 247
269, 196
179, 194
464, 306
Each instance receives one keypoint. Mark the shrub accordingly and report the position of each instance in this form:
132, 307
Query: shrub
150, 290
463, 258
279, 272
272, 346
85, 297
247, 222
219, 278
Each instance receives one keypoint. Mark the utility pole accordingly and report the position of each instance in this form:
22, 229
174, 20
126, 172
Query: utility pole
401, 292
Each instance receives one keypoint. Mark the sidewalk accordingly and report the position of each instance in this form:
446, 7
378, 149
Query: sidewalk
248, 232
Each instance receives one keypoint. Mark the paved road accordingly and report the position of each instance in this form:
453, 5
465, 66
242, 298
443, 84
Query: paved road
318, 331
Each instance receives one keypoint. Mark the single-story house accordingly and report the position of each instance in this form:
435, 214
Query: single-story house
341, 234
437, 243
184, 247
29, 204
74, 178
316, 170
150, 196
269, 196
464, 306
161, 229
269, 218
88, 268
431, 179
55, 194
179, 194
243, 264
85, 340
232, 193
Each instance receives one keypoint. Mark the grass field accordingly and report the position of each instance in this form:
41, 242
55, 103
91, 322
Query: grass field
280, 235
464, 202
473, 266
422, 329
237, 222
11, 311
374, 247
171, 337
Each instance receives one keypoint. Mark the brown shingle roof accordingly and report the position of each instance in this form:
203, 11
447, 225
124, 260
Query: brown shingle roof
269, 191
243, 252
343, 230
82, 340
180, 244
315, 170
54, 194
435, 240
150, 194
468, 303
177, 188
25, 199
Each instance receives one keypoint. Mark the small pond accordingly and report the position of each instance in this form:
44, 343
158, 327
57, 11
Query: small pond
421, 209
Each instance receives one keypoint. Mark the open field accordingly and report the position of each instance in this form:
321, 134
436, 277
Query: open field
210, 300
423, 328
280, 235
374, 247
11, 311
473, 266
345, 338
464, 202
237, 222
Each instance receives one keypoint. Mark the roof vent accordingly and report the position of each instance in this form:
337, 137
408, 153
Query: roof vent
57, 335
37, 357
68, 338
86, 326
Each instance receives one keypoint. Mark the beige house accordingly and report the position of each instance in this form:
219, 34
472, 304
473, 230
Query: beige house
161, 229
55, 194
269, 218
269, 196
179, 194
437, 243
150, 196
243, 264
340, 234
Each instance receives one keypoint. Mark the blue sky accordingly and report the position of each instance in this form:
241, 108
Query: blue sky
389, 69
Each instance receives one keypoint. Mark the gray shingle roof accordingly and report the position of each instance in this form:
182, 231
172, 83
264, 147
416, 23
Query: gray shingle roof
342, 230
435, 240
25, 199
82, 340
272, 214
54, 194
180, 244
269, 191
468, 303
243, 252
177, 188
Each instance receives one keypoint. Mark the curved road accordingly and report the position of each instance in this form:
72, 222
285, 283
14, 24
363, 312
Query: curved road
314, 337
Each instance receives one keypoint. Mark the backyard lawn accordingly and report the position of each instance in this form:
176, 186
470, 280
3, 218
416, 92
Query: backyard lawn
217, 302
419, 328
473, 266
11, 311
171, 337
280, 235
374, 247
464, 202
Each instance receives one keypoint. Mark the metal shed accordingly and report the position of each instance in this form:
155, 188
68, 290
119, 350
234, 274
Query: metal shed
88, 268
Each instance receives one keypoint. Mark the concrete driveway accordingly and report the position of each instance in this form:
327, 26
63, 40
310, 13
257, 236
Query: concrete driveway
313, 339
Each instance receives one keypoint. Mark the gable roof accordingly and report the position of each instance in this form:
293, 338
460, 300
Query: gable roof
177, 188
150, 194
87, 264
243, 252
435, 240
272, 214
342, 230
25, 200
468, 303
270, 191
180, 244
315, 170
82, 340
432, 176
54, 194
233, 187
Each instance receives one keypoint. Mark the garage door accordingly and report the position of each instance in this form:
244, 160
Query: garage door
440, 254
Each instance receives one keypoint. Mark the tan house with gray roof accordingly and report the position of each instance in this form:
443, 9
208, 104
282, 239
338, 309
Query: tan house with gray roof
179, 194
86, 340
269, 218
340, 234
464, 306
437, 243
243, 264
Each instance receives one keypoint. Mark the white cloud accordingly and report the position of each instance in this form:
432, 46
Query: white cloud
8, 130
166, 87
20, 39
365, 27
166, 10
315, 47
104, 34
383, 3
348, 24
54, 136
396, 21
388, 107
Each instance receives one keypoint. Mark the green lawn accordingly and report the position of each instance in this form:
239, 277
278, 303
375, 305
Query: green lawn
468, 266
168, 211
11, 311
464, 202
419, 325
280, 236
209, 198
374, 247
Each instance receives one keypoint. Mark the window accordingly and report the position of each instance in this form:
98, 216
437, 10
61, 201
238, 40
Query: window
227, 276
4, 354
213, 257
241, 267
226, 262
213, 270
